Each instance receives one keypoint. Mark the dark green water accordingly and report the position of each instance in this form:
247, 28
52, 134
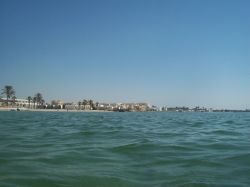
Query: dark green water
124, 149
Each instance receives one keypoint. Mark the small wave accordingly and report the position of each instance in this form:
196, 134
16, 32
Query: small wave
197, 124
206, 163
230, 122
194, 184
87, 133
221, 146
226, 132
134, 147
240, 158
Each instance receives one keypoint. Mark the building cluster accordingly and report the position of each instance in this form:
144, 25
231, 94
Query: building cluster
88, 105
37, 102
116, 107
19, 103
198, 109
85, 105
186, 109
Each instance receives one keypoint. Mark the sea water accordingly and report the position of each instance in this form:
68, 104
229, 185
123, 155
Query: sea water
50, 149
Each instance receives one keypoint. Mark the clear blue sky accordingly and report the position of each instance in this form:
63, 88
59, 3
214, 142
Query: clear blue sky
173, 53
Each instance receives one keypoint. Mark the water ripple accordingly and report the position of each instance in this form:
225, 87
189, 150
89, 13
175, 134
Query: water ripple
124, 149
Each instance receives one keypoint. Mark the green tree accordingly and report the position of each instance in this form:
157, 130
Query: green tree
39, 99
84, 103
79, 105
34, 101
29, 98
9, 92
96, 105
91, 103
42, 103
13, 100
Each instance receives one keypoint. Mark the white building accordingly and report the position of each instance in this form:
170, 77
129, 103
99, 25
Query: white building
21, 103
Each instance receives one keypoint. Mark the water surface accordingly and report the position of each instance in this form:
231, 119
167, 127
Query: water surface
124, 149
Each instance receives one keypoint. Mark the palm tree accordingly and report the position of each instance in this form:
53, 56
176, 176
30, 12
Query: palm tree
39, 98
96, 105
42, 102
29, 98
13, 100
9, 92
34, 101
85, 102
79, 105
91, 103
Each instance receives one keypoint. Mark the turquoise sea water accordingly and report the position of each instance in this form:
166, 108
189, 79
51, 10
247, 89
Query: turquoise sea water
124, 149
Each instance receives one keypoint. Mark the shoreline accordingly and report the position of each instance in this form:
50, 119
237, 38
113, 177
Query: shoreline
11, 109
48, 110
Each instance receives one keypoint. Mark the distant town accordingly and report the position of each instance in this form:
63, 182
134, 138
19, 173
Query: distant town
9, 101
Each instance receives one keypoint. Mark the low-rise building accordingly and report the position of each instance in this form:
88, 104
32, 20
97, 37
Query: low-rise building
70, 106
21, 103
57, 104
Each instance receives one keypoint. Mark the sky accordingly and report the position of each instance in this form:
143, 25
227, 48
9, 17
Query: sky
164, 52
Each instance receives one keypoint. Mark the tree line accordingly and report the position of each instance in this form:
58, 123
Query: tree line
9, 92
93, 105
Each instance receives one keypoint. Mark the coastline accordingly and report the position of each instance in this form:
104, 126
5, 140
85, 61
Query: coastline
48, 110
11, 109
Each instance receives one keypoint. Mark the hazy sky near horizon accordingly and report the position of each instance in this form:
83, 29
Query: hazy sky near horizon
173, 53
